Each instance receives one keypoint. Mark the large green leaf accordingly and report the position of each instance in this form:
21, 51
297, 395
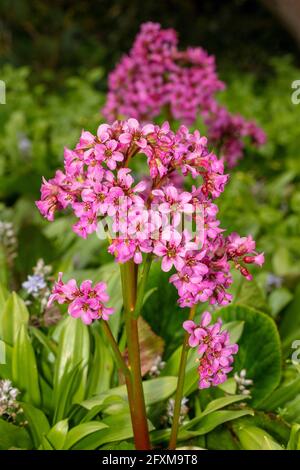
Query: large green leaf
282, 395
259, 349
76, 434
24, 368
37, 422
12, 436
57, 434
251, 295
73, 351
12, 317
155, 390
118, 428
64, 392
102, 364
254, 438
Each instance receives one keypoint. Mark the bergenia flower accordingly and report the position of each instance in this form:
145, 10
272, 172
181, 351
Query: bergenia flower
214, 348
85, 302
156, 76
148, 216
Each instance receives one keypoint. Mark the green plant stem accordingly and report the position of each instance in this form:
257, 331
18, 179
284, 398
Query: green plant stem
139, 417
180, 385
142, 285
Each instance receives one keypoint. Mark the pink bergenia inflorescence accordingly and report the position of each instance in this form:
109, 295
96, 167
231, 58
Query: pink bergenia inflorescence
146, 217
156, 77
85, 302
214, 348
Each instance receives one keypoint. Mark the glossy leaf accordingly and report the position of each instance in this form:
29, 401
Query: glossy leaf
12, 436
73, 351
254, 438
12, 317
37, 423
76, 434
24, 368
57, 434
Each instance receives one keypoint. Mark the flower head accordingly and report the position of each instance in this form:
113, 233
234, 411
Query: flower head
85, 302
214, 348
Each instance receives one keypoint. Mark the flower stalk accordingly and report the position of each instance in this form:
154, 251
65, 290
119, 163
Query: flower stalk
180, 385
139, 417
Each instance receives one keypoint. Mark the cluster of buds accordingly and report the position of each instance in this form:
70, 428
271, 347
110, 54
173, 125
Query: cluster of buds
214, 348
156, 77
153, 216
10, 409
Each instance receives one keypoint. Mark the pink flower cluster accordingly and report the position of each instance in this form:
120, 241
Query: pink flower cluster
227, 132
153, 216
216, 352
156, 77
85, 302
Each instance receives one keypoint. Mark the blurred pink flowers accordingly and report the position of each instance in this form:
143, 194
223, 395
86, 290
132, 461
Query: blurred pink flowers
157, 78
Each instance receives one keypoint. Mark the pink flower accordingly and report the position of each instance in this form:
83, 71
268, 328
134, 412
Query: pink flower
171, 250
134, 133
109, 154
98, 183
173, 203
216, 352
156, 76
86, 302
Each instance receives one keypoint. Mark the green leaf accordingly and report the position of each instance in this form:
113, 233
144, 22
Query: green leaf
3, 297
12, 436
73, 350
12, 317
45, 341
294, 440
57, 434
64, 392
290, 323
279, 299
283, 263
76, 434
207, 424
102, 365
24, 368
119, 428
212, 420
254, 438
235, 329
259, 350
123, 445
251, 295
37, 422
281, 395
219, 403
155, 390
